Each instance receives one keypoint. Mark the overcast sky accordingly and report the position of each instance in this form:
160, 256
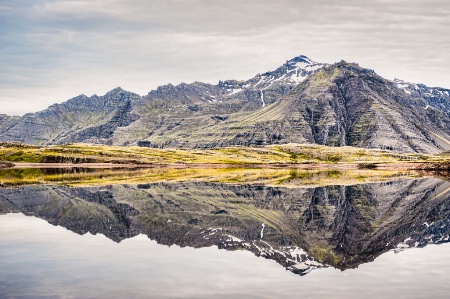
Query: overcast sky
51, 51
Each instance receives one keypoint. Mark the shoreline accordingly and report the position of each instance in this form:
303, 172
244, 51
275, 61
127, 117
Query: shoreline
341, 166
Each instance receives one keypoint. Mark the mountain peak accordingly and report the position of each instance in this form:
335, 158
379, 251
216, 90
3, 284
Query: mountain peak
291, 73
115, 90
302, 59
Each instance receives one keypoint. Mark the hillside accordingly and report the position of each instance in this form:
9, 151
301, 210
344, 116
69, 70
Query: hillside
302, 101
343, 104
89, 119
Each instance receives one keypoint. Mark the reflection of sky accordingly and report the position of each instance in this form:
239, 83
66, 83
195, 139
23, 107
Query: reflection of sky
38, 259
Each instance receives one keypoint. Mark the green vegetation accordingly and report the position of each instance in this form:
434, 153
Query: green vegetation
270, 177
279, 154
274, 154
324, 77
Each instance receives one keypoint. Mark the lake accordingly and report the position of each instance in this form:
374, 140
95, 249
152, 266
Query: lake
223, 233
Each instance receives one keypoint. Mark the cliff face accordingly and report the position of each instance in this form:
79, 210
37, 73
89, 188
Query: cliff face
300, 228
300, 102
341, 104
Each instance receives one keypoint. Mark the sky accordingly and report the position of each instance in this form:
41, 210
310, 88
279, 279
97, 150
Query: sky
52, 50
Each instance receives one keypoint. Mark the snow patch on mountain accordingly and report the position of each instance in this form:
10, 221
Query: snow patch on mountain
435, 97
291, 73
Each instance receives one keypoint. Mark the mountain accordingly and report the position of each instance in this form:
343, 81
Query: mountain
302, 101
343, 104
302, 229
81, 119
171, 112
96, 119
435, 97
6, 122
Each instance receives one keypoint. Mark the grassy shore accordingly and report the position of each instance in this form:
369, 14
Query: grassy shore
269, 155
285, 165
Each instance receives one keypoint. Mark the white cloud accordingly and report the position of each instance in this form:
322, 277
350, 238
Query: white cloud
54, 50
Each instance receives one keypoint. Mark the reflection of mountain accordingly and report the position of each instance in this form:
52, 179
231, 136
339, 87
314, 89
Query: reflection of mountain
341, 226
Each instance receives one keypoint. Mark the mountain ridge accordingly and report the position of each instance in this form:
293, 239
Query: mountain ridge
302, 101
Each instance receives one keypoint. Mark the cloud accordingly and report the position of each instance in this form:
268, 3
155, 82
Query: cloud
54, 50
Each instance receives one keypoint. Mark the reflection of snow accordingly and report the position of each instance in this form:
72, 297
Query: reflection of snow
233, 239
293, 258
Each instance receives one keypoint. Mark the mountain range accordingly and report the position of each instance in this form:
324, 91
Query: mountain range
300, 228
302, 101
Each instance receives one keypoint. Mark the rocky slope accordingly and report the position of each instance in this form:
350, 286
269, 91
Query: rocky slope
81, 119
6, 122
342, 104
435, 97
171, 112
121, 117
300, 102
300, 228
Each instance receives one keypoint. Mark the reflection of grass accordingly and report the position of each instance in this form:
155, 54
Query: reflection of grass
285, 154
325, 255
280, 177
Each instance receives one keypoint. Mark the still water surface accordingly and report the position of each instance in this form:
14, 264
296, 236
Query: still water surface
383, 239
